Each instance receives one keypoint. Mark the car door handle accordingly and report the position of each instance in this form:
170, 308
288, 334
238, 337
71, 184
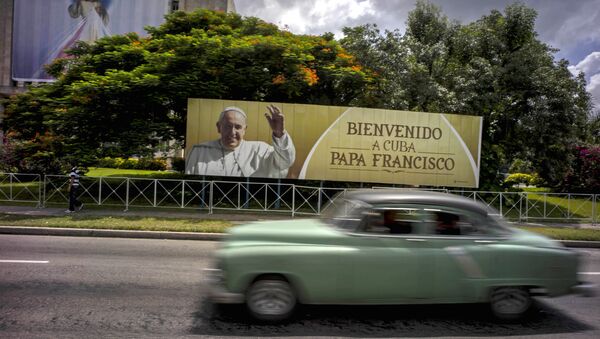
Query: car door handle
415, 239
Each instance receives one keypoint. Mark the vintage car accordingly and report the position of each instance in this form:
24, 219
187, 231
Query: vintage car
391, 247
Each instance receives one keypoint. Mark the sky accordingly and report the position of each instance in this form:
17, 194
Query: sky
572, 26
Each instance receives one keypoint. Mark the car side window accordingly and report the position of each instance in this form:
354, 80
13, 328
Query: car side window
391, 221
451, 223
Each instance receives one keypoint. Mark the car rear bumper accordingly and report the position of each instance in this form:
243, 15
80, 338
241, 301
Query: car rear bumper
217, 293
585, 289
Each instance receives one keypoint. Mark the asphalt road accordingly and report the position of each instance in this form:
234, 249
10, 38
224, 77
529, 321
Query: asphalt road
73, 287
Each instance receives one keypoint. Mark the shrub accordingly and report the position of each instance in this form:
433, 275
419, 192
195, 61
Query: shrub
520, 178
178, 164
38, 155
133, 163
584, 174
151, 164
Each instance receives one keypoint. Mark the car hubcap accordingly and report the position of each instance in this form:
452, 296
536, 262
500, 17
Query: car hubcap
271, 298
510, 301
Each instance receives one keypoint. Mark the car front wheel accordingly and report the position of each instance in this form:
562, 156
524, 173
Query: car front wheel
271, 299
510, 302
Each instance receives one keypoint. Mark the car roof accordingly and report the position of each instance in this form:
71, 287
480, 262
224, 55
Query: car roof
397, 196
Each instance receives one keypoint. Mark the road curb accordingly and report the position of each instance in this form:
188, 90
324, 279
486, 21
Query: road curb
86, 232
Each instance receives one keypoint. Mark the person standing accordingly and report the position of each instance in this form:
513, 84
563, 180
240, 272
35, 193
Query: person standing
74, 204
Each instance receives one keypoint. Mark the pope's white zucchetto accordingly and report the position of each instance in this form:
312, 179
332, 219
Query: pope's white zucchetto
233, 109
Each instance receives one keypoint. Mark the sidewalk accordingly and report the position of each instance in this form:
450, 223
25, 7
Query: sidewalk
236, 217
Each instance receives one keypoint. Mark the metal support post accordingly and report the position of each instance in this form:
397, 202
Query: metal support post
210, 197
182, 193
100, 191
293, 200
155, 186
126, 194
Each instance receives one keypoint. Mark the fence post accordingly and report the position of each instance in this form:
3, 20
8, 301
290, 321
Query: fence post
155, 186
39, 180
545, 204
278, 199
247, 194
239, 197
182, 193
44, 198
126, 194
10, 184
521, 206
293, 200
100, 191
569, 206
319, 198
266, 201
501, 195
210, 197
595, 201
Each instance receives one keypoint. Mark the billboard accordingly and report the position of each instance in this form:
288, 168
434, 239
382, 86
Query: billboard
333, 143
44, 29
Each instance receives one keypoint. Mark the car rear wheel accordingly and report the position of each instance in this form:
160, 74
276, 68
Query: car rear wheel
510, 302
271, 299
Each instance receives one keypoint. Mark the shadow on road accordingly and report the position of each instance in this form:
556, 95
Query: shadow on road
385, 321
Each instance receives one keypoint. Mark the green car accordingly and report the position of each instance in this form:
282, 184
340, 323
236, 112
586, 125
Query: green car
391, 247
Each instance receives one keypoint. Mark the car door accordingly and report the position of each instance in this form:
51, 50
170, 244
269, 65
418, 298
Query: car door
455, 254
385, 265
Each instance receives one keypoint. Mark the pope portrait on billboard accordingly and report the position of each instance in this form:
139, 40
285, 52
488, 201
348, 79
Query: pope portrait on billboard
232, 155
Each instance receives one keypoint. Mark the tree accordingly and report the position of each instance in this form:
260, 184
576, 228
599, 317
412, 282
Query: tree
533, 109
124, 94
584, 173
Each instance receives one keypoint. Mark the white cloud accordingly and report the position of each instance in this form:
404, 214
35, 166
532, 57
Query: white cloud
579, 23
333, 13
311, 16
594, 88
590, 65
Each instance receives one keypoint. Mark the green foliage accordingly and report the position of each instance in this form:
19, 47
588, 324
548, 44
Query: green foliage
133, 163
521, 166
36, 155
178, 164
125, 95
584, 174
521, 178
143, 223
533, 109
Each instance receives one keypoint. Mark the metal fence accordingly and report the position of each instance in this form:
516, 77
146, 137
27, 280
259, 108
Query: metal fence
283, 198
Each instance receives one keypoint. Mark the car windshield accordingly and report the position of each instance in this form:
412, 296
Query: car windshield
345, 213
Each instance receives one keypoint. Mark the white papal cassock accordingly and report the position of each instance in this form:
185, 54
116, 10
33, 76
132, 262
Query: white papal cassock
249, 159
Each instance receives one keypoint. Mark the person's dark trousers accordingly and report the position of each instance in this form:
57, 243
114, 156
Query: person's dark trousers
73, 202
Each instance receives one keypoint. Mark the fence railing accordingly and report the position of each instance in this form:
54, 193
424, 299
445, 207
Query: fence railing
21, 188
126, 193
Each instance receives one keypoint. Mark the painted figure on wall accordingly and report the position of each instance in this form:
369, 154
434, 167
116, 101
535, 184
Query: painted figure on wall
91, 24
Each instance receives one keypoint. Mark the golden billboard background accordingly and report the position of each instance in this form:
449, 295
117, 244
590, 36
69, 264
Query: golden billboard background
359, 144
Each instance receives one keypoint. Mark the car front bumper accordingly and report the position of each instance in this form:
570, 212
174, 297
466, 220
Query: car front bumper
585, 289
217, 293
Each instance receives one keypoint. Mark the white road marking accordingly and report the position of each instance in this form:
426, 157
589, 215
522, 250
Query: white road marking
25, 261
590, 273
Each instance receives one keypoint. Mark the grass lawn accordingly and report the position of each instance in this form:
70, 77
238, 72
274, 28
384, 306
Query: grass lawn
117, 172
212, 226
559, 205
565, 233
117, 223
